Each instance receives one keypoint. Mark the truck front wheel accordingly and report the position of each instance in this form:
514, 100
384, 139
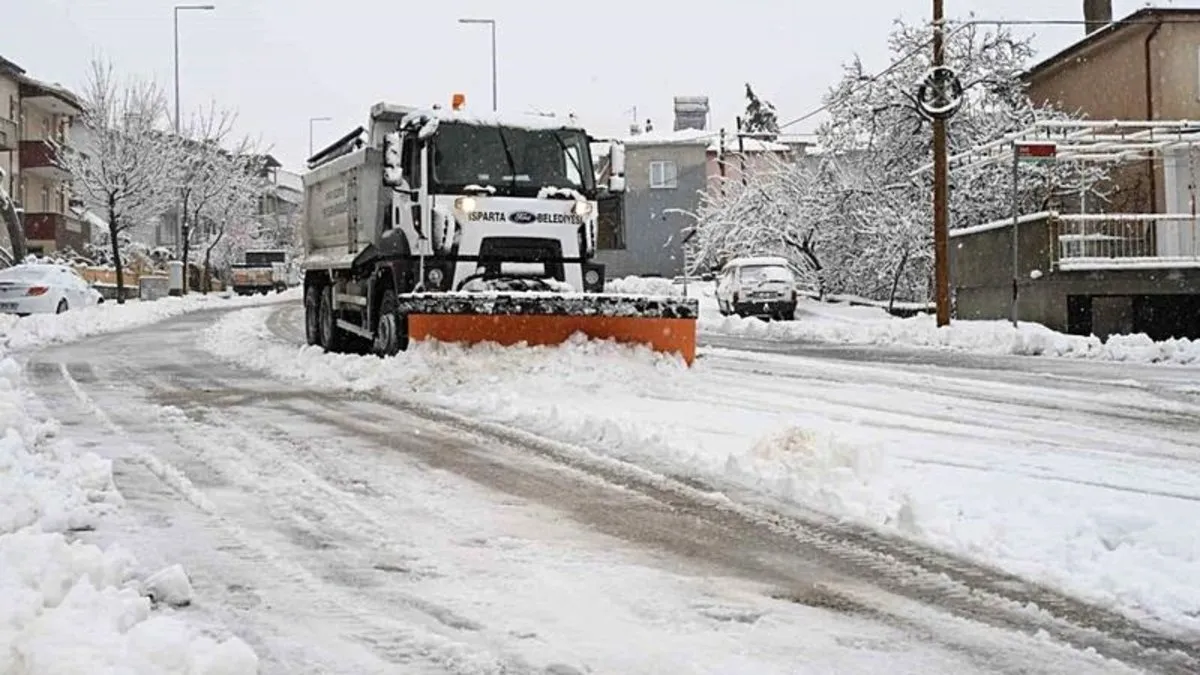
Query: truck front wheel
391, 335
312, 308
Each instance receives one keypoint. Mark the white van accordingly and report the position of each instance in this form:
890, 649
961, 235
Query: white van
761, 286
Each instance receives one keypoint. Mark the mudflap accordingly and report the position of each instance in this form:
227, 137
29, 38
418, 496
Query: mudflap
665, 324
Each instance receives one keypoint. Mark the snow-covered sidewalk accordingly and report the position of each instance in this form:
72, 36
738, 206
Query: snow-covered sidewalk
1087, 486
67, 607
846, 324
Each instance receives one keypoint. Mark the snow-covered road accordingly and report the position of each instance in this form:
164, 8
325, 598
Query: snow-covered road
355, 533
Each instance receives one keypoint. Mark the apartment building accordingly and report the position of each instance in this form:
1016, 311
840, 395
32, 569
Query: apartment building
36, 116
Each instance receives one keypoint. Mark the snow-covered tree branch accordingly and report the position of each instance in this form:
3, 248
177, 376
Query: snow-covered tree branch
120, 163
856, 217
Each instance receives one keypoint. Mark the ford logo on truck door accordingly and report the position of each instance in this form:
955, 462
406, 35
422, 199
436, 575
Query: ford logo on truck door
522, 217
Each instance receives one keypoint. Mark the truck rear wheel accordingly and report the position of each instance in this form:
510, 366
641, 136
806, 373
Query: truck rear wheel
391, 335
332, 337
312, 308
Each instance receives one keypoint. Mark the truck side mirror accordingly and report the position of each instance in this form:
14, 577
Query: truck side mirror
616, 178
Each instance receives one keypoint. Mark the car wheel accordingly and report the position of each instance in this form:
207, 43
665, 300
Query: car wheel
62, 306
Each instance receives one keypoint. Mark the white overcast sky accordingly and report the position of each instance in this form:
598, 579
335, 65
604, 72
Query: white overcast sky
281, 62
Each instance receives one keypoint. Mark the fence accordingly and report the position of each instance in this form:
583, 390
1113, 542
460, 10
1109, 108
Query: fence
1107, 241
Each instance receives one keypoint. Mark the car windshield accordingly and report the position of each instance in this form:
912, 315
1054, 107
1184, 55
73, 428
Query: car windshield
513, 160
758, 274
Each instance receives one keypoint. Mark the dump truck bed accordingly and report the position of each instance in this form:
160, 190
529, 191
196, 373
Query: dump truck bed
344, 202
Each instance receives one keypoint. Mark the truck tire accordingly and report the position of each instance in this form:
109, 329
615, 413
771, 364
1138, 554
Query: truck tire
332, 337
312, 321
391, 335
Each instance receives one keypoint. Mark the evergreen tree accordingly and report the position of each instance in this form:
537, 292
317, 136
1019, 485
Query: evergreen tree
760, 116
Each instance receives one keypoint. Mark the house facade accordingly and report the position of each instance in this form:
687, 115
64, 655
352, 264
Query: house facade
642, 230
39, 117
1144, 67
1130, 264
666, 172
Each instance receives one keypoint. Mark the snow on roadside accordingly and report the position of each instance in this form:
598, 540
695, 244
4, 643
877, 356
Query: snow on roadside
39, 330
841, 324
67, 607
836, 449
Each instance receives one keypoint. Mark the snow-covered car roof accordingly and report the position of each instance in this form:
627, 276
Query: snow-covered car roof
36, 270
774, 261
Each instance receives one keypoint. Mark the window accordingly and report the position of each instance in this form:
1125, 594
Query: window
663, 175
45, 199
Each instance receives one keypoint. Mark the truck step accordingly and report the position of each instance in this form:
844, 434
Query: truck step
346, 299
357, 330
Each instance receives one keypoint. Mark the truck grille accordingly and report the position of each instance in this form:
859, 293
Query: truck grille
494, 251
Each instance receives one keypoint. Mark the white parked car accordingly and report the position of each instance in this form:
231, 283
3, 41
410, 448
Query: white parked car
44, 288
762, 286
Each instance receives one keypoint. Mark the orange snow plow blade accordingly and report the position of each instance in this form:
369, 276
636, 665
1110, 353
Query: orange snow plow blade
666, 325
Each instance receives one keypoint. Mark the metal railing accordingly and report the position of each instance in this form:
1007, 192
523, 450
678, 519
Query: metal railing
1108, 241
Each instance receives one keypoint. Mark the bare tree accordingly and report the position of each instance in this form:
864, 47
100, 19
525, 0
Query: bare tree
122, 160
196, 169
239, 184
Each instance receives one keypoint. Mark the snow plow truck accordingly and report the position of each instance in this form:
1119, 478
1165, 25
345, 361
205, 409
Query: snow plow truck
434, 223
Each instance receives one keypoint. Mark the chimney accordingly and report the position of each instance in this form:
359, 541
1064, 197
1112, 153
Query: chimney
691, 112
1096, 15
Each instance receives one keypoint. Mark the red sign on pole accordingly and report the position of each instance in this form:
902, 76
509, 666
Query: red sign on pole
1036, 151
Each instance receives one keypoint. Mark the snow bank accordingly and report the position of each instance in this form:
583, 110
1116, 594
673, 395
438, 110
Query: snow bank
42, 329
67, 607
822, 322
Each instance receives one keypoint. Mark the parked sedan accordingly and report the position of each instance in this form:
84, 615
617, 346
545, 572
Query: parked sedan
42, 288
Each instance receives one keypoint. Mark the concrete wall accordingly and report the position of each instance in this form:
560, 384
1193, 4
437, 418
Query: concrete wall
1106, 301
652, 237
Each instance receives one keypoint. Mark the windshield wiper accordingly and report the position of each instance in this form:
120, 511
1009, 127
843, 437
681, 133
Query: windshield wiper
512, 164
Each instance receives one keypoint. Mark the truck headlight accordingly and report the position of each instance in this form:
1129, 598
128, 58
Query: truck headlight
591, 277
465, 204
434, 276
583, 209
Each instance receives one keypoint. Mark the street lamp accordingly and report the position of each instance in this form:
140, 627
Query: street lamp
310, 131
177, 8
492, 23
179, 212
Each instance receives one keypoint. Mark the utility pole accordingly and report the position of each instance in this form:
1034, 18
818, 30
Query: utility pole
941, 180
721, 159
741, 151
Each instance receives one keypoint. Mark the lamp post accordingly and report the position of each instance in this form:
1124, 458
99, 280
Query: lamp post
179, 212
310, 131
492, 24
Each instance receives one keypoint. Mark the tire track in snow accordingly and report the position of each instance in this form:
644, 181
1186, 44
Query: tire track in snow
393, 640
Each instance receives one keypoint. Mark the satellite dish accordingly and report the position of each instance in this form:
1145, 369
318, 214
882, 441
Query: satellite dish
940, 93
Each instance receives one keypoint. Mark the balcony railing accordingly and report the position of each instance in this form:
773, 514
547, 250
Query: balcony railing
40, 157
1108, 241
10, 137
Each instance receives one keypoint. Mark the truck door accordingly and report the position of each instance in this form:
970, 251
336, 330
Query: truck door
405, 216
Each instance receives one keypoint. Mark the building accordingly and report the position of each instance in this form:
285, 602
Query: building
1144, 67
35, 117
1131, 265
641, 232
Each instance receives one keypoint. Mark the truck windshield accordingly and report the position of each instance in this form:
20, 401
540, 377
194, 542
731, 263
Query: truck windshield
471, 154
